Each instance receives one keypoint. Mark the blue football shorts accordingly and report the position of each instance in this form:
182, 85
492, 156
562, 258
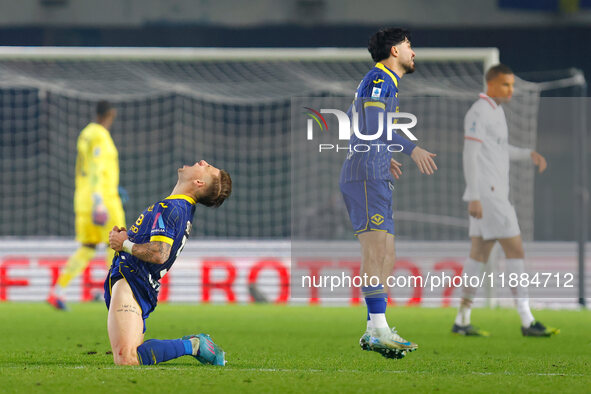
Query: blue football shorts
369, 204
138, 287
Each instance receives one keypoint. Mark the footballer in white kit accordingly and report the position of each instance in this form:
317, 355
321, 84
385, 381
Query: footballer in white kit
486, 132
486, 159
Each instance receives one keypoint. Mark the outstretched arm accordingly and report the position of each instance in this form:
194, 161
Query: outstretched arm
516, 153
422, 158
374, 111
155, 252
539, 161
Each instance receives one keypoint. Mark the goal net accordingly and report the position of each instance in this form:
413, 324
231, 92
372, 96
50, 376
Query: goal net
235, 109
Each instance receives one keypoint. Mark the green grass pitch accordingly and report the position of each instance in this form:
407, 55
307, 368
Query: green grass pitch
293, 349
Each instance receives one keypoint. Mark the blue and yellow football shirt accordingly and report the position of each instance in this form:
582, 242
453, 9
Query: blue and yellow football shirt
169, 220
376, 95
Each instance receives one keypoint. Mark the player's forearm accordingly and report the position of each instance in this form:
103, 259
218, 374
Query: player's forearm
516, 153
372, 116
470, 162
407, 146
152, 252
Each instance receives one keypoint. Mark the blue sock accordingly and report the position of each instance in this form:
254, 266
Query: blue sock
375, 298
154, 351
188, 347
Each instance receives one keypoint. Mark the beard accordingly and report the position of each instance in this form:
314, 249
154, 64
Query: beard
409, 67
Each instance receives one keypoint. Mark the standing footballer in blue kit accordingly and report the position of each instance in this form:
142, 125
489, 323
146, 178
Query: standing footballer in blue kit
145, 253
366, 179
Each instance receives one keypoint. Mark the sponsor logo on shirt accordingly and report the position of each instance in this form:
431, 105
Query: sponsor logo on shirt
158, 221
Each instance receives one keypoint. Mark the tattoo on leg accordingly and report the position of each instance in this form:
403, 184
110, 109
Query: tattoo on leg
128, 308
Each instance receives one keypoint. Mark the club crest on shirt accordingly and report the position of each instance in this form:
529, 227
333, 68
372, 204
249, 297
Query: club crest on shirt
377, 219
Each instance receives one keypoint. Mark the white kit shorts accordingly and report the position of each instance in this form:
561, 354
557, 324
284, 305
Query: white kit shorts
499, 220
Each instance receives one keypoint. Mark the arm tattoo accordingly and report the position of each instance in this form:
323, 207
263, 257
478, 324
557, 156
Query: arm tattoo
152, 252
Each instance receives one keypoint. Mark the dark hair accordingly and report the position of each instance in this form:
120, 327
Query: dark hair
220, 189
103, 107
382, 42
494, 71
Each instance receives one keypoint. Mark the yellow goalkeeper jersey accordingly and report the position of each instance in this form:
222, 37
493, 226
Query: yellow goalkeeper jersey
97, 167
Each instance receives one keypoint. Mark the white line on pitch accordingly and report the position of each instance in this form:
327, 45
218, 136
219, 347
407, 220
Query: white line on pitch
175, 368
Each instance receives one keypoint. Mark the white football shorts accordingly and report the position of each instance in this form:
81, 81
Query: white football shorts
499, 220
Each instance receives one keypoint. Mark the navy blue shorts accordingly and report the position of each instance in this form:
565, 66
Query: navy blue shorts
369, 204
138, 288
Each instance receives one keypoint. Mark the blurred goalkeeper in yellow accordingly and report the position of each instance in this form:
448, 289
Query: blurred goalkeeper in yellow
97, 202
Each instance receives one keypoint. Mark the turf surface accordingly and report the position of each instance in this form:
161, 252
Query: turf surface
293, 349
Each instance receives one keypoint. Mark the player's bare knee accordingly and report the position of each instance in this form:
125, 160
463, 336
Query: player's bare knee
515, 253
125, 356
373, 262
379, 259
126, 361
481, 249
377, 255
513, 247
374, 267
479, 255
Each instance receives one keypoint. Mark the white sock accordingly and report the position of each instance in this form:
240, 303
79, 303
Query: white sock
378, 320
58, 291
471, 268
516, 266
525, 312
369, 325
463, 316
